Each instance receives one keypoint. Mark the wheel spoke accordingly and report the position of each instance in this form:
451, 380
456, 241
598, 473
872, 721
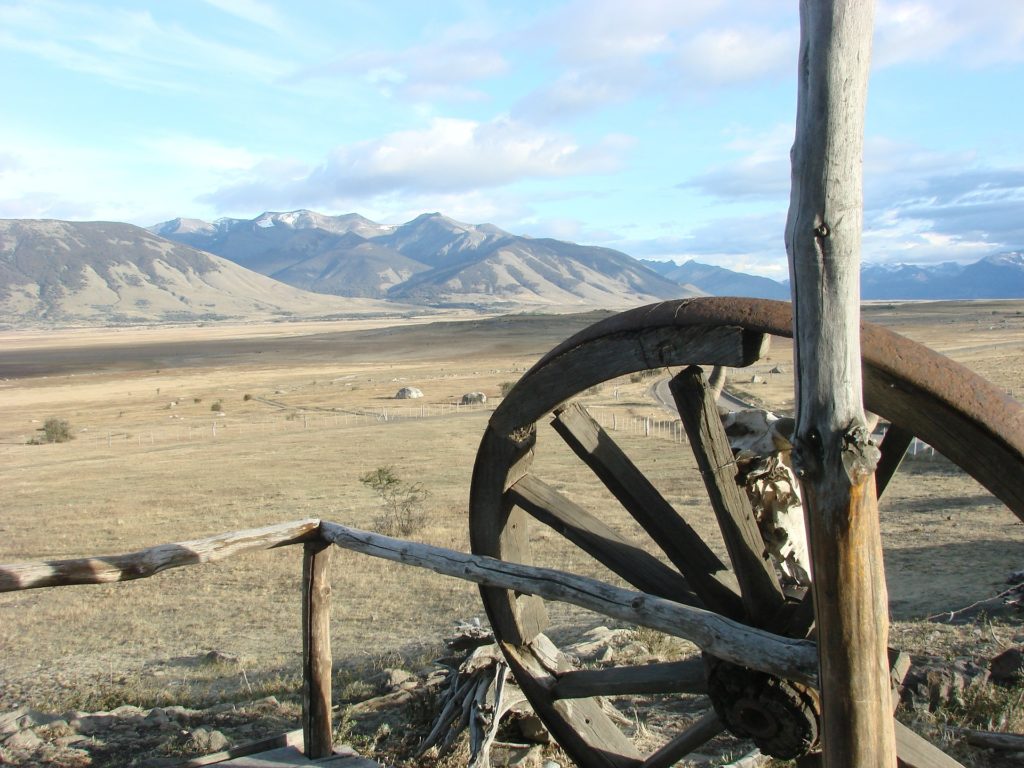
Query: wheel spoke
580, 726
894, 448
698, 734
498, 531
759, 585
708, 576
663, 677
913, 751
639, 568
968, 420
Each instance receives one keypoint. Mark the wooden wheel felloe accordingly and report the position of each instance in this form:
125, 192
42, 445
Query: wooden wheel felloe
921, 393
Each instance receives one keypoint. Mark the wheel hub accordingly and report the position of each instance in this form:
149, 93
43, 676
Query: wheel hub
780, 716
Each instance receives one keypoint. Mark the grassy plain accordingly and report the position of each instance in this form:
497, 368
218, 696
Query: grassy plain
303, 412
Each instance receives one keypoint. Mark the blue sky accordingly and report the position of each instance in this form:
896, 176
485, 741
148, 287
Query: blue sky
658, 128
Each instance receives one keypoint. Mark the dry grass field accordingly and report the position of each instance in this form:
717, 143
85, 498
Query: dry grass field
184, 433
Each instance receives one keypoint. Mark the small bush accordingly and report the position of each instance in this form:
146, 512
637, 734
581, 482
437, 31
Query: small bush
650, 373
402, 502
216, 406
506, 387
54, 431
246, 397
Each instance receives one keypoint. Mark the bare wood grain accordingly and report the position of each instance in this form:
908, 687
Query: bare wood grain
717, 635
893, 449
638, 567
149, 562
686, 676
574, 369
833, 453
499, 529
913, 751
708, 576
317, 731
579, 725
288, 739
759, 585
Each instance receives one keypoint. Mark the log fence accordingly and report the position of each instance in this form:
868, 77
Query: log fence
715, 634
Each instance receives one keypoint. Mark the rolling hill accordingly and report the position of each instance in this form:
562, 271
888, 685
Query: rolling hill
60, 272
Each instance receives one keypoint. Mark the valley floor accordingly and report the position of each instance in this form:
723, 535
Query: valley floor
184, 435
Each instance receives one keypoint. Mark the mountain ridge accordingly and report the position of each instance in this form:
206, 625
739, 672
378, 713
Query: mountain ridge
55, 271
996, 276
431, 259
434, 259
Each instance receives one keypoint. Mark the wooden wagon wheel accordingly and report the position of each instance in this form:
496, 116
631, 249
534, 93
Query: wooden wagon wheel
920, 392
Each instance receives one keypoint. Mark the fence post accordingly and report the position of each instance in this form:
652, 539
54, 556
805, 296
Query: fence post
317, 730
833, 454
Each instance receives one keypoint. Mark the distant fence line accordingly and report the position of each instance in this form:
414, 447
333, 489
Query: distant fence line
612, 419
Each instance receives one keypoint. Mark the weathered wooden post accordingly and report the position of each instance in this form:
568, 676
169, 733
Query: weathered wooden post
317, 729
834, 455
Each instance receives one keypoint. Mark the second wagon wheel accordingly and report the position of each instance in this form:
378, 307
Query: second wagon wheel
921, 393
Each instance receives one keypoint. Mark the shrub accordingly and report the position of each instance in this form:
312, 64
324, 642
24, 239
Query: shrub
54, 431
216, 406
506, 387
648, 373
402, 503
246, 397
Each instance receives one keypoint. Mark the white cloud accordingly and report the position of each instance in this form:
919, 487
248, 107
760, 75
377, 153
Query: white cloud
579, 91
567, 228
140, 181
447, 156
762, 171
439, 70
619, 50
920, 204
971, 33
588, 31
738, 55
893, 239
126, 48
747, 243
254, 11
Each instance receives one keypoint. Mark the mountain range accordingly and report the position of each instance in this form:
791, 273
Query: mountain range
719, 281
436, 260
431, 260
999, 276
306, 264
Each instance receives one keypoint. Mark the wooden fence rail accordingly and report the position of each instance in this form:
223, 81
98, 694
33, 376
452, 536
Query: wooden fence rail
719, 636
104, 569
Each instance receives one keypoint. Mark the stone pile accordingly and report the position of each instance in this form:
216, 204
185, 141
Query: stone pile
149, 738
